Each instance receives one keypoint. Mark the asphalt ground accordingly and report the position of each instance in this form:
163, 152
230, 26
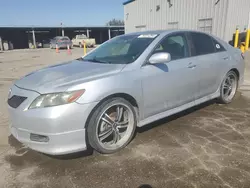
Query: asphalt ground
206, 146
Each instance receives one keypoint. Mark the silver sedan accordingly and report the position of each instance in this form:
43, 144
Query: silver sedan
60, 42
129, 81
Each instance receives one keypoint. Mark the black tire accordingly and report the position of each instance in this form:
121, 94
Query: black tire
222, 98
92, 125
80, 45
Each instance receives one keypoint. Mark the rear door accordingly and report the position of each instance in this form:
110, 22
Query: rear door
209, 56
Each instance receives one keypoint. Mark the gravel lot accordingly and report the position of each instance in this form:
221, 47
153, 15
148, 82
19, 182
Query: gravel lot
206, 146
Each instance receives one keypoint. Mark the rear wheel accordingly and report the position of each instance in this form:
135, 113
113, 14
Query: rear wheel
80, 45
228, 88
112, 126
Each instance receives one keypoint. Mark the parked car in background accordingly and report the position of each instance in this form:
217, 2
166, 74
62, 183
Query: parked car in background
127, 82
46, 43
61, 42
79, 40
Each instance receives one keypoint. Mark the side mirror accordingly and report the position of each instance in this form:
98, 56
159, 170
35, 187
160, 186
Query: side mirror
161, 57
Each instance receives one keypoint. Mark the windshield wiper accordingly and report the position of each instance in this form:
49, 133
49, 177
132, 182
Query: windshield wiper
96, 60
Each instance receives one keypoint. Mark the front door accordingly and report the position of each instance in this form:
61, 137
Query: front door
171, 84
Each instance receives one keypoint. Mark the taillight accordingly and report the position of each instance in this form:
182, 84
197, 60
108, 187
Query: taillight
242, 55
59, 41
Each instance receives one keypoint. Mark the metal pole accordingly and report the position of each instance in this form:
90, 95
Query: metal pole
1, 44
62, 32
236, 38
88, 33
109, 34
247, 39
84, 48
34, 38
100, 37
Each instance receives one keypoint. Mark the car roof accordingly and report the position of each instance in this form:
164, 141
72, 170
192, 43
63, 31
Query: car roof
61, 37
158, 32
151, 32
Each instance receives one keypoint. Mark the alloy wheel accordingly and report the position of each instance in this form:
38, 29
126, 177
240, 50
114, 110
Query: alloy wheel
115, 126
229, 86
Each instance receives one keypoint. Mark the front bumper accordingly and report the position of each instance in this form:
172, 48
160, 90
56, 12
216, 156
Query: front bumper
63, 125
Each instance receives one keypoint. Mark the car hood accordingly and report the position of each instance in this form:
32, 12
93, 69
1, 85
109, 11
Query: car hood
59, 77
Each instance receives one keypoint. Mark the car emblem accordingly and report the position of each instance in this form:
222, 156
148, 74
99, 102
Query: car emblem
10, 93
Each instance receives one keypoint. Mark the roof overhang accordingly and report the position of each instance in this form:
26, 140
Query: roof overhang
59, 27
127, 2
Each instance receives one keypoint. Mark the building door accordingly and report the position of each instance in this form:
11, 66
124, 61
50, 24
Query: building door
205, 25
173, 25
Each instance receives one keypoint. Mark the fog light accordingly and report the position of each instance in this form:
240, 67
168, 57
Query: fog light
39, 138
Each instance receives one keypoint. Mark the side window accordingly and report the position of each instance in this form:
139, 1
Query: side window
175, 45
218, 46
202, 44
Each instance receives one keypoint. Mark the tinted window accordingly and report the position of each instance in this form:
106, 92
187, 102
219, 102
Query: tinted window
218, 46
64, 38
202, 44
176, 45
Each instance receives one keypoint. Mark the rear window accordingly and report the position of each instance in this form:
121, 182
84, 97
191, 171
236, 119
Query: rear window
82, 37
62, 38
202, 44
65, 38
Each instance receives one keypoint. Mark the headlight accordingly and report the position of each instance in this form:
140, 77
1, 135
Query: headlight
55, 99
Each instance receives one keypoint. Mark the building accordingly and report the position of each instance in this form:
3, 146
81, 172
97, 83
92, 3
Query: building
22, 36
218, 17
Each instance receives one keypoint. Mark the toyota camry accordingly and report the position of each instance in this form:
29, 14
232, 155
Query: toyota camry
129, 81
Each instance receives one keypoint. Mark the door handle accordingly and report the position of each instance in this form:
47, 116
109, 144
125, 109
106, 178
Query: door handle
225, 58
191, 65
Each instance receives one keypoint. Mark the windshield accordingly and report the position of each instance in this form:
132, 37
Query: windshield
121, 50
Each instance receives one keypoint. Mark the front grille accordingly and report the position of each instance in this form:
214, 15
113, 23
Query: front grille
15, 101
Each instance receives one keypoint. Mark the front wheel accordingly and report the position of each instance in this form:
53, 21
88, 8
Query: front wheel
228, 88
111, 126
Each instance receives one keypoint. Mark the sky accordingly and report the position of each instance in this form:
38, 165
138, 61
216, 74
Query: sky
54, 12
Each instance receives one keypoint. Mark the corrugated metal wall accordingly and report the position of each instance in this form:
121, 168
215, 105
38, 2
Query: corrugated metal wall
238, 14
187, 13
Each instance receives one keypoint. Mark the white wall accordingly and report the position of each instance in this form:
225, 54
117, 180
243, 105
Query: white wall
249, 21
187, 13
238, 15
